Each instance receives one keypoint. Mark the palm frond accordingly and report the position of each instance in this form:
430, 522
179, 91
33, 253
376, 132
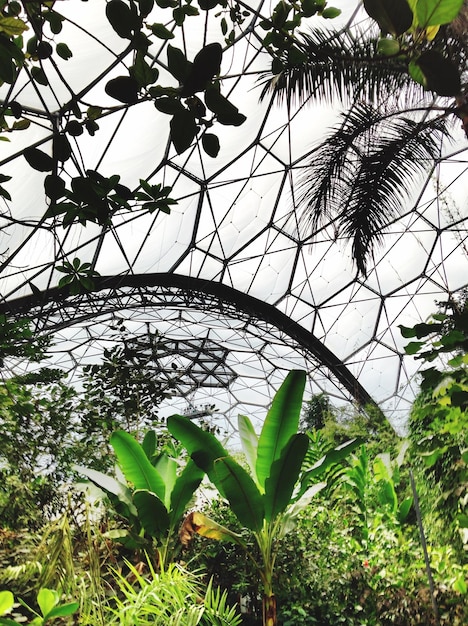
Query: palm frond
343, 65
362, 174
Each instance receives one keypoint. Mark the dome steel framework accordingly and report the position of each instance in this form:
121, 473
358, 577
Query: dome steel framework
237, 287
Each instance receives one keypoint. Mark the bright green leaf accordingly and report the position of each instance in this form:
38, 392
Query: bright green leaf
435, 12
284, 474
135, 464
249, 441
152, 513
47, 599
243, 495
281, 423
7, 601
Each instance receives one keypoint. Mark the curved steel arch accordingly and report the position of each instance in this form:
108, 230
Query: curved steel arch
58, 302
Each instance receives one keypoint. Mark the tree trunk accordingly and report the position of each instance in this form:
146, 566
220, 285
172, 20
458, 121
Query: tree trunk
269, 610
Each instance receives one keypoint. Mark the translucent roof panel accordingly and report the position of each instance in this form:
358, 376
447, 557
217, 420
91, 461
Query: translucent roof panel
239, 283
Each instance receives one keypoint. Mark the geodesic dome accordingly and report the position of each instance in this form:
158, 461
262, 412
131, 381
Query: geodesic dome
231, 280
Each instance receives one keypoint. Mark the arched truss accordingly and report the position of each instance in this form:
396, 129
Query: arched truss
152, 300
235, 230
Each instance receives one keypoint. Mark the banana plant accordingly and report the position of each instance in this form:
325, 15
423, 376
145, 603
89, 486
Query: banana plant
156, 501
267, 499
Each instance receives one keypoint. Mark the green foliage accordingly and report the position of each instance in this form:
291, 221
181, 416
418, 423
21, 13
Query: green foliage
413, 24
439, 419
268, 500
169, 597
158, 497
18, 340
48, 601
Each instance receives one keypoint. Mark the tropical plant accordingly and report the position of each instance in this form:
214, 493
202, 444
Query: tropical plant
173, 596
267, 500
360, 174
439, 418
156, 501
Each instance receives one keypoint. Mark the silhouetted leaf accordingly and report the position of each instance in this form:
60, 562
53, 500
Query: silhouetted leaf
123, 88
39, 75
142, 72
74, 128
44, 50
61, 148
168, 105
206, 65
160, 31
122, 19
227, 113
64, 51
210, 144
183, 130
39, 160
54, 187
177, 64
393, 16
440, 73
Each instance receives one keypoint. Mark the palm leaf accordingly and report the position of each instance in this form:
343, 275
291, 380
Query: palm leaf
361, 175
343, 65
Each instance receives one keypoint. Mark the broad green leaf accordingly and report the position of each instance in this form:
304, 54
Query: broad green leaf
108, 484
249, 441
63, 51
404, 509
434, 12
330, 13
388, 47
63, 610
47, 599
149, 444
167, 468
184, 488
243, 495
459, 585
281, 423
413, 347
201, 445
284, 474
152, 513
7, 601
135, 464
